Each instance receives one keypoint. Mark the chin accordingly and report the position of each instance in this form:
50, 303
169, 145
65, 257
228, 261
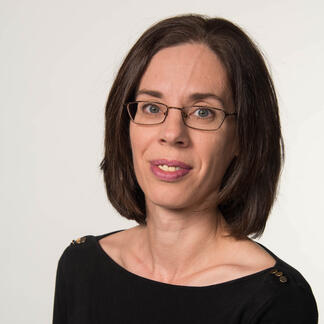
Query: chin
168, 201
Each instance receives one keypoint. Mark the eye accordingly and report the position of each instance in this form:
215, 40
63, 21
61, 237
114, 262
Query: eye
203, 112
150, 108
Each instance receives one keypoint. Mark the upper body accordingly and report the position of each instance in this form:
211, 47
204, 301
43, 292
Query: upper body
93, 286
193, 153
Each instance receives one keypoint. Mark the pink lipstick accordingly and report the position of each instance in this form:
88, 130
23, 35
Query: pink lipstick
182, 169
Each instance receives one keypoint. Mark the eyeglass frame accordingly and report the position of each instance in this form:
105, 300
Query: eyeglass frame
126, 105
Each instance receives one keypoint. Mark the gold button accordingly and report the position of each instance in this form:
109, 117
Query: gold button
283, 279
79, 240
278, 274
273, 271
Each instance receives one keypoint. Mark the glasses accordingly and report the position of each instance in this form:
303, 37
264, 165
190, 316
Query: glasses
197, 117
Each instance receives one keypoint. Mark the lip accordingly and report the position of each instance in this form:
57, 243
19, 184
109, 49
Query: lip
171, 163
169, 175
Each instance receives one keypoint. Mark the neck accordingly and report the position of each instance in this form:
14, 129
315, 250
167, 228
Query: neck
172, 245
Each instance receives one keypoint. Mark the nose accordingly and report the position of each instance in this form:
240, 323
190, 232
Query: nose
173, 131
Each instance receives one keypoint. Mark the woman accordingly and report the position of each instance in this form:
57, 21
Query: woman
193, 153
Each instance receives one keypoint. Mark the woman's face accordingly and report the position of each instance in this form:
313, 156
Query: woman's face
172, 77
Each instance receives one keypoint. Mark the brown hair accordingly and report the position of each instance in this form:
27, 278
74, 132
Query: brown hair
250, 183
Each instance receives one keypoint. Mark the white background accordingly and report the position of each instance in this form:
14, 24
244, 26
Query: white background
57, 63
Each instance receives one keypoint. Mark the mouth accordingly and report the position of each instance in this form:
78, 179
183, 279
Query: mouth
169, 170
171, 163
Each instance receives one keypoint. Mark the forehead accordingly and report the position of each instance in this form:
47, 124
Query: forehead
184, 69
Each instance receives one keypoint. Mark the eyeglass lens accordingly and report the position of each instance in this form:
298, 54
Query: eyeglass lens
150, 113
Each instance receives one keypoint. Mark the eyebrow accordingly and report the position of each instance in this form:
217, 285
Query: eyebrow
193, 96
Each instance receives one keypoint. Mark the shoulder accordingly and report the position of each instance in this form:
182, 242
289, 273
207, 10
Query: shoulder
82, 250
79, 252
286, 297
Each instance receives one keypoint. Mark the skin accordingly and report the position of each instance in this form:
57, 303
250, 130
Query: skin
181, 242
177, 72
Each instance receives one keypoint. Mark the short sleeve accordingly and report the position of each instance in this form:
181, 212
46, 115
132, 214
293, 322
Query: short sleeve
291, 305
60, 304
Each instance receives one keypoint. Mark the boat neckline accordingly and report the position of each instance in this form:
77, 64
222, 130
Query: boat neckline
133, 275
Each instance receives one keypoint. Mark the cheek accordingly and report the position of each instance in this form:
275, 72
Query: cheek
136, 149
135, 143
140, 140
216, 152
132, 140
137, 138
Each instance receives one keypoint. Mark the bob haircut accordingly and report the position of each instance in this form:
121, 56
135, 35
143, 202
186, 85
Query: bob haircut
249, 186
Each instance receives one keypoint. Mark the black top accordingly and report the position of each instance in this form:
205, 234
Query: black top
91, 288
